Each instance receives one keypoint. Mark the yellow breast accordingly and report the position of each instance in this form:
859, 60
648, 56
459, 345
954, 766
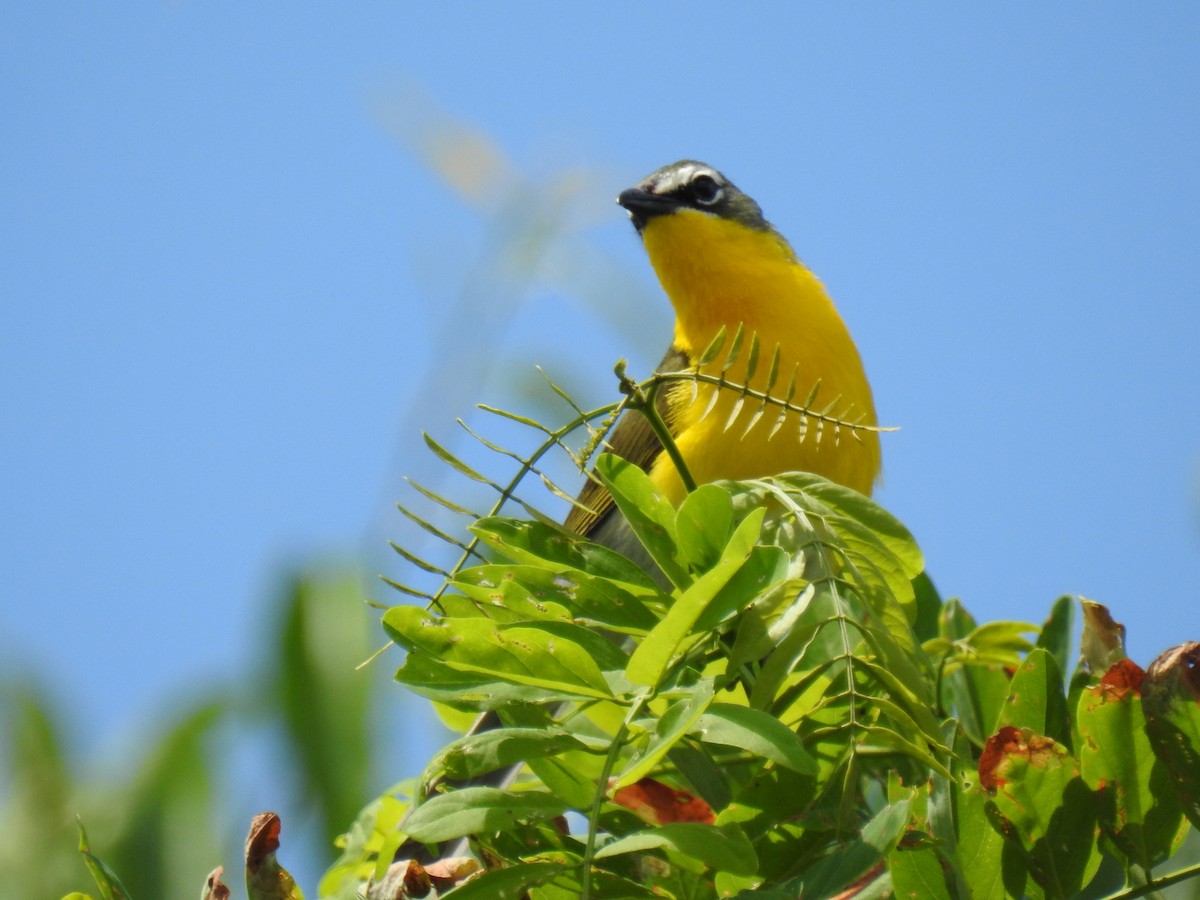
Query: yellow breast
720, 273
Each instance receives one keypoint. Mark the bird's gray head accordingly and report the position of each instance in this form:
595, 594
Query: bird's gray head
689, 184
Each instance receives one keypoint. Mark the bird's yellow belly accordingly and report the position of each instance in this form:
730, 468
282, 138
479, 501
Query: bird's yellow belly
718, 445
720, 274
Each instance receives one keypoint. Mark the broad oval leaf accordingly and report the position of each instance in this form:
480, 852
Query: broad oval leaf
756, 732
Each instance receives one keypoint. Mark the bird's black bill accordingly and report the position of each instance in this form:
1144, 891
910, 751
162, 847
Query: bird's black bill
644, 206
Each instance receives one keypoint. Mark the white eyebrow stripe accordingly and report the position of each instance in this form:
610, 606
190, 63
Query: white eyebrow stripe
674, 179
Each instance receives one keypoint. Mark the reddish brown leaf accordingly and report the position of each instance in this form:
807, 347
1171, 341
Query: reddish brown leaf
451, 871
263, 839
214, 887
265, 878
1122, 677
1007, 742
659, 804
994, 751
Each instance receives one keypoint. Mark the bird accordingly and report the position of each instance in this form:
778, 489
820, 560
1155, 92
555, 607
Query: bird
724, 267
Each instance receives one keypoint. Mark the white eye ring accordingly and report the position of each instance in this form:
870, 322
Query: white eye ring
706, 190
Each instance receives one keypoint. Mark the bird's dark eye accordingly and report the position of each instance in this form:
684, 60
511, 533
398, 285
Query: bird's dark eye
705, 190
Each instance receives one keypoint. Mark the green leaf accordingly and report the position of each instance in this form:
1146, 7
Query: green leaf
487, 751
1001, 642
976, 694
673, 725
724, 849
535, 592
1036, 699
538, 544
478, 810
1045, 807
509, 883
764, 569
942, 798
698, 769
368, 846
1171, 700
929, 604
756, 732
703, 526
436, 681
877, 736
917, 873
981, 850
106, 879
524, 655
489, 592
889, 530
658, 651
1140, 810
791, 637
647, 511
1057, 631
854, 858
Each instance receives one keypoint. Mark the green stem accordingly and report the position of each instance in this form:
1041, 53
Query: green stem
659, 427
1156, 884
642, 399
610, 761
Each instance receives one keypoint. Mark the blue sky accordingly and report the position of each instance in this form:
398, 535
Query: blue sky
224, 270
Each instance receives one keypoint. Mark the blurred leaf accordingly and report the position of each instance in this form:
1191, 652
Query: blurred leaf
324, 695
1000, 642
37, 822
169, 838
